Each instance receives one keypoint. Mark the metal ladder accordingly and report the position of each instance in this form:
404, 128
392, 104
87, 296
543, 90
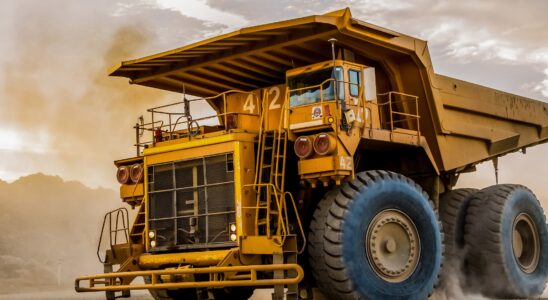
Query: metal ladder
138, 228
272, 197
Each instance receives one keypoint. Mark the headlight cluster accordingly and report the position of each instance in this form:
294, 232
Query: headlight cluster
151, 236
321, 144
127, 173
232, 227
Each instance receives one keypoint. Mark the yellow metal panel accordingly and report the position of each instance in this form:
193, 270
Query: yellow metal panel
325, 164
131, 190
190, 153
202, 142
203, 258
260, 245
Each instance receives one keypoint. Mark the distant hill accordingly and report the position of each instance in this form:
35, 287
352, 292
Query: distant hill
49, 231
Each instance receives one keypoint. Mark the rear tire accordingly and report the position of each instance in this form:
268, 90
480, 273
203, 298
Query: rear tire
507, 237
381, 240
453, 207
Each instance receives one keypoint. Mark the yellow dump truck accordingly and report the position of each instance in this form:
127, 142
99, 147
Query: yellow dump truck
325, 171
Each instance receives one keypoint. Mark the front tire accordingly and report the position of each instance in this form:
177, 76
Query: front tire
166, 294
381, 239
507, 237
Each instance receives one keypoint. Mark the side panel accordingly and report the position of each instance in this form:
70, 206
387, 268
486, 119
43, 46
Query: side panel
486, 122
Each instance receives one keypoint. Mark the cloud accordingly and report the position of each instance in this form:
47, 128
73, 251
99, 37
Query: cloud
200, 10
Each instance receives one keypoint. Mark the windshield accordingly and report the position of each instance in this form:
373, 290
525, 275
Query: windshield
309, 87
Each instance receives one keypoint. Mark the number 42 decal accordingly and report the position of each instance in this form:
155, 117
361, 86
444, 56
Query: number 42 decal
274, 103
249, 104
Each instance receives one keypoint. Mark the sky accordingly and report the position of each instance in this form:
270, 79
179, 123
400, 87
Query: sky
62, 115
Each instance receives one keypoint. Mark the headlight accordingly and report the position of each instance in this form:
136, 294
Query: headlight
303, 147
152, 244
151, 234
324, 144
136, 173
232, 227
122, 174
233, 237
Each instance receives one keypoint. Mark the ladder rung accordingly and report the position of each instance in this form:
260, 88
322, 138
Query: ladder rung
262, 222
136, 234
267, 166
139, 224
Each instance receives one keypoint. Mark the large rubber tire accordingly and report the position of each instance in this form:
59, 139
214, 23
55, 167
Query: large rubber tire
453, 207
349, 274
165, 294
315, 245
490, 235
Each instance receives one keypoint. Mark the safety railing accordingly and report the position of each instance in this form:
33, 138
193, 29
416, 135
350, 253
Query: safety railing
251, 275
175, 120
117, 221
402, 111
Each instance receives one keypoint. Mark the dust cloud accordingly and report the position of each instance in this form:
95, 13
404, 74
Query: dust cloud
71, 119
50, 230
67, 114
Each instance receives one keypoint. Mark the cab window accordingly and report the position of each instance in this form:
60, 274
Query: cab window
354, 82
312, 87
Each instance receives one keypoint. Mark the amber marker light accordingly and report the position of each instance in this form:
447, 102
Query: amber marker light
122, 174
303, 147
324, 144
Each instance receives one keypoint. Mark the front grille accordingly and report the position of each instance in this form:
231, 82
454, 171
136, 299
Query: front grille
191, 203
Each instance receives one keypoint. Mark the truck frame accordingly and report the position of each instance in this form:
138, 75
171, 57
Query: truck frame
327, 171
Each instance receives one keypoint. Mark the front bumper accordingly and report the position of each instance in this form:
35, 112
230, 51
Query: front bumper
233, 276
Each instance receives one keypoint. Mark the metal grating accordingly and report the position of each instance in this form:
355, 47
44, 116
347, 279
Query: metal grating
191, 202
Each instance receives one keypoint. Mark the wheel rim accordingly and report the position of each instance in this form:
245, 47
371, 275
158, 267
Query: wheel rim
392, 245
525, 243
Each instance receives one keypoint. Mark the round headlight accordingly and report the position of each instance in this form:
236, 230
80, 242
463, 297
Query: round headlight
151, 234
233, 227
324, 144
303, 147
152, 244
122, 174
233, 237
136, 173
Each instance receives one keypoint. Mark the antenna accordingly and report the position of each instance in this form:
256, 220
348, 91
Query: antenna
333, 41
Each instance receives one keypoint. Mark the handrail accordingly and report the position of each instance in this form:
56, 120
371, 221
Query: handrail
282, 230
120, 212
404, 116
174, 118
298, 221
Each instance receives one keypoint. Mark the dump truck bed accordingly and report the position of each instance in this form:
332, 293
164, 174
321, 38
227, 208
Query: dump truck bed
483, 123
456, 117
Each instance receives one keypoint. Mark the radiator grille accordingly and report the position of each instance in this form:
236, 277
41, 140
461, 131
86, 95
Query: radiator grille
198, 191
